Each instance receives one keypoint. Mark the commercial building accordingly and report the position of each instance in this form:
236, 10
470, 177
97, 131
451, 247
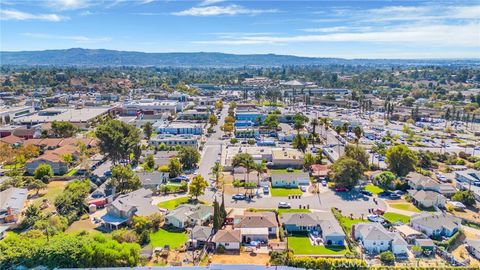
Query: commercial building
180, 139
178, 128
8, 114
151, 106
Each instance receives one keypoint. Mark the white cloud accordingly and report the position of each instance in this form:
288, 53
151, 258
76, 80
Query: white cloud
15, 15
69, 4
432, 35
76, 39
210, 2
335, 29
222, 10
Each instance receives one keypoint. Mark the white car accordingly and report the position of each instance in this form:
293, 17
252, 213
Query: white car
303, 188
284, 205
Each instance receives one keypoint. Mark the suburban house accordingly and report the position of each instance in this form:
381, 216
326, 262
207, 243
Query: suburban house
421, 182
153, 180
290, 179
229, 239
427, 198
323, 223
256, 226
187, 215
468, 176
473, 246
55, 158
287, 158
12, 202
436, 224
199, 236
319, 171
374, 238
161, 157
125, 207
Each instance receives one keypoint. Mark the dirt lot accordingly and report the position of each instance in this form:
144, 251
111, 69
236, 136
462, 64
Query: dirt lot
461, 253
82, 225
53, 189
242, 258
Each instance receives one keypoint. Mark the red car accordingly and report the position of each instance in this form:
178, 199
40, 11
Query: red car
341, 189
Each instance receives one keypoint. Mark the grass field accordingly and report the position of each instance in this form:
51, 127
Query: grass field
405, 206
301, 246
373, 189
347, 222
172, 204
284, 192
163, 237
292, 210
285, 171
53, 189
394, 217
72, 172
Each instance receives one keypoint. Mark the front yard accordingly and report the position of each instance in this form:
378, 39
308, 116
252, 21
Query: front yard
405, 206
163, 237
373, 189
172, 204
284, 192
301, 246
394, 217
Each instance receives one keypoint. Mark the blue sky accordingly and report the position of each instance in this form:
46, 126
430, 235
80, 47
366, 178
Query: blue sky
347, 29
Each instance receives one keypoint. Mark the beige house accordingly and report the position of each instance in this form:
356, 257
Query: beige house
287, 158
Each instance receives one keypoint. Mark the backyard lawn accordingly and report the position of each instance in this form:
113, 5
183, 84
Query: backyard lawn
347, 222
172, 204
373, 189
301, 245
394, 217
71, 172
292, 210
53, 189
284, 192
405, 206
163, 237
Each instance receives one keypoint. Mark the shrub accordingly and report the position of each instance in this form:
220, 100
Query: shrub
124, 235
387, 258
220, 249
43, 171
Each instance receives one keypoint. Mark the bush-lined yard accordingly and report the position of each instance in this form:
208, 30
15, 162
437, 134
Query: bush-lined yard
163, 237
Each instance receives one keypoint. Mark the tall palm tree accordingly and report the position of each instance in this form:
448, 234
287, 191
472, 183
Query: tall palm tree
216, 171
358, 133
314, 124
260, 168
298, 126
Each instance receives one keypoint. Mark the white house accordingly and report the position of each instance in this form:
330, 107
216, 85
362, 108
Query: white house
428, 198
229, 239
436, 224
290, 179
374, 238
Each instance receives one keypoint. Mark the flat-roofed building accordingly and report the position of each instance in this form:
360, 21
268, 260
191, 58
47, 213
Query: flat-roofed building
151, 105
80, 117
178, 128
287, 158
180, 139
8, 114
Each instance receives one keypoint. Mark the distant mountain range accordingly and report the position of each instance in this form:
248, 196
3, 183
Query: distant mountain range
101, 57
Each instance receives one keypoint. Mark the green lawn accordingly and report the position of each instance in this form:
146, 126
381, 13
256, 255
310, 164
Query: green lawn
405, 206
292, 210
172, 204
394, 217
373, 189
163, 237
284, 192
72, 172
301, 245
347, 222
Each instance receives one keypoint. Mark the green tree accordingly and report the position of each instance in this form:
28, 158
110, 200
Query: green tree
217, 171
244, 160
217, 219
149, 163
141, 223
118, 140
308, 160
212, 119
197, 186
357, 130
387, 258
401, 160
189, 157
314, 123
466, 197
37, 185
71, 202
174, 167
124, 179
300, 142
358, 154
271, 121
148, 130
385, 179
42, 171
61, 129
346, 172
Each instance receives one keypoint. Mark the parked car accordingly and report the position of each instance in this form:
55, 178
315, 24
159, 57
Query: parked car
341, 189
324, 183
394, 196
284, 205
385, 193
366, 192
239, 197
303, 188
266, 190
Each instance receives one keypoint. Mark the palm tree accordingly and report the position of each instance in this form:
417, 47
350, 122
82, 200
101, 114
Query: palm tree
216, 171
358, 133
314, 124
298, 126
260, 168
